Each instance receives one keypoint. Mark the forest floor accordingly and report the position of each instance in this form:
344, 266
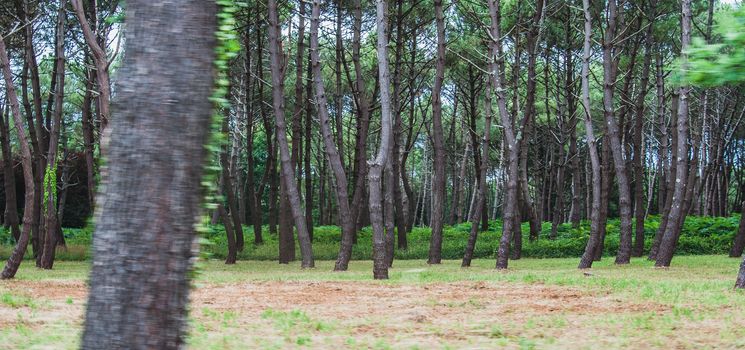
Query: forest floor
539, 304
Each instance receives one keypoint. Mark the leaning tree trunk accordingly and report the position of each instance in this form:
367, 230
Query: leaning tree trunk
438, 181
677, 213
102, 68
332, 153
9, 179
288, 177
50, 183
14, 261
614, 136
143, 246
376, 166
590, 250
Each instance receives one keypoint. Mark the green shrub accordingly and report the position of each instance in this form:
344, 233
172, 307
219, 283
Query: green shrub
700, 235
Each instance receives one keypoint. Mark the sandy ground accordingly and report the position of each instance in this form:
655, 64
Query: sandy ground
367, 315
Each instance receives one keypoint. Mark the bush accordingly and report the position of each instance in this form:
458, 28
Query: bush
700, 235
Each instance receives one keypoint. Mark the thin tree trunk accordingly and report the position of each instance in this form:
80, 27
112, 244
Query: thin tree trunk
438, 181
288, 180
380, 266
102, 69
14, 261
592, 243
640, 211
50, 190
332, 153
677, 209
9, 177
614, 136
253, 199
481, 187
739, 243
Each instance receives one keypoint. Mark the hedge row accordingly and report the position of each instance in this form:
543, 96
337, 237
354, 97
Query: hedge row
701, 235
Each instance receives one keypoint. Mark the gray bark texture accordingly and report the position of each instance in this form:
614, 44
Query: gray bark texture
143, 246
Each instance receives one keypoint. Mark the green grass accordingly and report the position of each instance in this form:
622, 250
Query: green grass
692, 305
700, 236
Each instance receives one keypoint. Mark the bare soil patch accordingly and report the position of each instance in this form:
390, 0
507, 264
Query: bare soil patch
474, 315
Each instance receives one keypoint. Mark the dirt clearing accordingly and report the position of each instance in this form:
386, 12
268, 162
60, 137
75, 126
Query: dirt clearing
368, 315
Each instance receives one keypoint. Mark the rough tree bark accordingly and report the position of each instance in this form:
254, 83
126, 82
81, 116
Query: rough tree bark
50, 190
14, 261
639, 209
739, 243
614, 135
589, 255
9, 179
438, 181
512, 141
481, 188
253, 199
288, 178
142, 250
102, 67
332, 153
677, 213
376, 166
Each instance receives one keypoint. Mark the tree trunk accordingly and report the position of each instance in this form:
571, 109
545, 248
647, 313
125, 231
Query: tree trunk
288, 178
332, 153
614, 136
438, 181
253, 199
739, 242
50, 181
307, 172
400, 217
102, 69
677, 209
380, 266
638, 160
9, 178
592, 243
481, 188
14, 261
360, 169
142, 251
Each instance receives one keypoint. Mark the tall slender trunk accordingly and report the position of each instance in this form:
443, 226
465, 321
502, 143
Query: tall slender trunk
307, 172
664, 215
677, 213
380, 266
481, 188
532, 39
288, 178
614, 135
50, 185
332, 153
253, 199
360, 169
102, 68
662, 125
396, 168
438, 181
589, 255
9, 177
639, 210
